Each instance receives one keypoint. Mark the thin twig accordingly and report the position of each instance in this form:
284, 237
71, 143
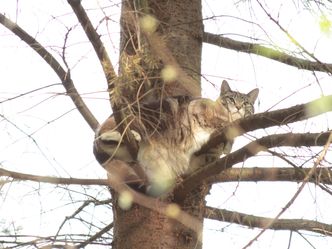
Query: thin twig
291, 201
96, 236
109, 72
52, 180
247, 151
293, 40
57, 68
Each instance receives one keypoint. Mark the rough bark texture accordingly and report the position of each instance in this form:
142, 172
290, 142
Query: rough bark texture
141, 227
180, 29
176, 41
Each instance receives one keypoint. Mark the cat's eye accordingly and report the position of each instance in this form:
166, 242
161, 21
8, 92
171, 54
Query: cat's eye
232, 101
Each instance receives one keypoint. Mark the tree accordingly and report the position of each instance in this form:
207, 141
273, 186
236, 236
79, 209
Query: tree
160, 39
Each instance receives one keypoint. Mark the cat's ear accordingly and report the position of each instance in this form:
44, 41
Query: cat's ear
224, 87
252, 95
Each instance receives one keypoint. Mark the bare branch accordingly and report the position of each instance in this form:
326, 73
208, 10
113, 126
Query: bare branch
260, 222
267, 52
290, 37
90, 239
96, 236
297, 193
97, 44
57, 68
35, 241
321, 175
109, 72
251, 149
258, 174
52, 180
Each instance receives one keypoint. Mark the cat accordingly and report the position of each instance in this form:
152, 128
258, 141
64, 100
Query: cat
186, 127
171, 131
238, 105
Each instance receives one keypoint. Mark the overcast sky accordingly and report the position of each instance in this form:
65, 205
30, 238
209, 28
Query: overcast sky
42, 133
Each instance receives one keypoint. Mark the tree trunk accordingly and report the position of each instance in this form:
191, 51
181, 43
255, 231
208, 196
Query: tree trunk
179, 32
141, 227
180, 28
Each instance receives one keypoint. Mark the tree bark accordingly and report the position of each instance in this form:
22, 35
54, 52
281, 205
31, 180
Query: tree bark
142, 227
177, 42
180, 30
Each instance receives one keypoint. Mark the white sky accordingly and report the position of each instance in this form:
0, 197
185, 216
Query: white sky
64, 147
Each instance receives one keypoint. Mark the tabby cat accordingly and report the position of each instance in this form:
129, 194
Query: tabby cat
169, 153
183, 126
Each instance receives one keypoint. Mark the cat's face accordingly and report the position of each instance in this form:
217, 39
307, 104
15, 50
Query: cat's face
239, 105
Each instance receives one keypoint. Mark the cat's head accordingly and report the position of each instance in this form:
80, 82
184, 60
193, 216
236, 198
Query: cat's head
238, 105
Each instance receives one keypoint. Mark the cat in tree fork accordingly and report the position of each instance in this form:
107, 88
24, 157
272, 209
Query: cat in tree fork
167, 147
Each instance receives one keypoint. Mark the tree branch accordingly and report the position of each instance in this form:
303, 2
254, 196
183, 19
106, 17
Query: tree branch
260, 222
95, 236
269, 119
109, 73
317, 162
257, 174
267, 52
52, 180
57, 68
96, 42
241, 155
321, 175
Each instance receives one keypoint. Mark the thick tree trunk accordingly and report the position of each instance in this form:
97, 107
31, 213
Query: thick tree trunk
179, 38
180, 29
141, 227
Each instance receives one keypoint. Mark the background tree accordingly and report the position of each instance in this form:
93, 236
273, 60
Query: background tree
160, 39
